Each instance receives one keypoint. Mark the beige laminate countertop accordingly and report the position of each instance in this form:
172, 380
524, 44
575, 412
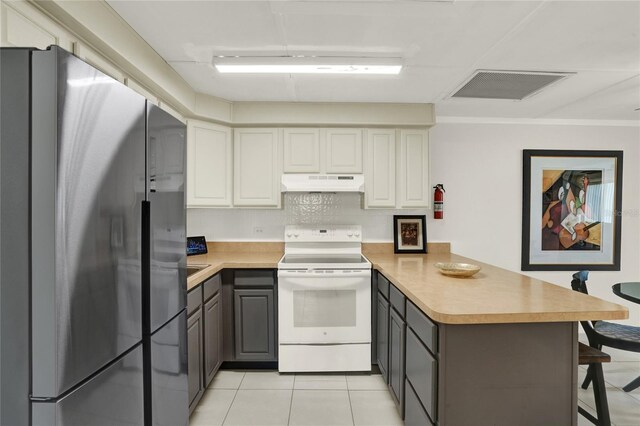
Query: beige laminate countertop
493, 295
218, 261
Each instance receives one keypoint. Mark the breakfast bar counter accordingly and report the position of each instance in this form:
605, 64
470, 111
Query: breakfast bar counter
501, 347
493, 295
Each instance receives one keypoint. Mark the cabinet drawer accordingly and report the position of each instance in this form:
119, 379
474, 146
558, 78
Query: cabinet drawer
424, 328
254, 278
211, 287
414, 414
383, 285
421, 370
397, 299
194, 300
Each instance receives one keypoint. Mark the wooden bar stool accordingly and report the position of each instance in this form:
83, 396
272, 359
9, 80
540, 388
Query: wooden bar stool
594, 358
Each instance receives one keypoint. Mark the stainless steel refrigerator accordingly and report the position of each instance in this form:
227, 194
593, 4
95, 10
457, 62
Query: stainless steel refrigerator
93, 248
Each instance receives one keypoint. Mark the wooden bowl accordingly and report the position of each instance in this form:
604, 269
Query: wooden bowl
457, 269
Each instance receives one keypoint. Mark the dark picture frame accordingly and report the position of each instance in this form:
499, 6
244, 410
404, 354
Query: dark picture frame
571, 210
409, 234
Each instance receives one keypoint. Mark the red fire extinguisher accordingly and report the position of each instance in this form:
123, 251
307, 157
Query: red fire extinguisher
438, 201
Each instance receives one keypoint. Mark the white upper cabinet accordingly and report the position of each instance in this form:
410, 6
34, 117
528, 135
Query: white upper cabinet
301, 150
343, 148
209, 165
413, 169
380, 168
257, 167
22, 26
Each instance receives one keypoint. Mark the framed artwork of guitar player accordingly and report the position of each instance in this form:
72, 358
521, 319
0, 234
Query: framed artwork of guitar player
571, 210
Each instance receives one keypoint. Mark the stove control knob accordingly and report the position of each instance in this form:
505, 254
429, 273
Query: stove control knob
289, 234
349, 234
296, 235
357, 234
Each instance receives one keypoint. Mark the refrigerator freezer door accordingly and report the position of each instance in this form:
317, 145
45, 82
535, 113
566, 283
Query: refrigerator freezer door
169, 373
113, 397
88, 174
168, 245
14, 226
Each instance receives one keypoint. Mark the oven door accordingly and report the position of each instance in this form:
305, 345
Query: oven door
324, 306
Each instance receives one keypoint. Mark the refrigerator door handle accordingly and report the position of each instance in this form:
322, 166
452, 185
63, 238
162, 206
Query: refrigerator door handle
145, 262
146, 311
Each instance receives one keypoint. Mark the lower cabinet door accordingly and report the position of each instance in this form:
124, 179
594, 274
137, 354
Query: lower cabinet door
255, 322
212, 337
397, 330
414, 413
382, 335
421, 372
194, 348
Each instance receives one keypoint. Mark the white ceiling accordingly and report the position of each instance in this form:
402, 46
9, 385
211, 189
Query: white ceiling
441, 43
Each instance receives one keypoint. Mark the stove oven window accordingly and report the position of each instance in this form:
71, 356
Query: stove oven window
324, 308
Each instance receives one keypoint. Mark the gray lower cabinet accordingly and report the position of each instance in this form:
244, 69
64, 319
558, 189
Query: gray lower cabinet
204, 336
397, 330
212, 336
194, 345
422, 374
421, 366
255, 324
414, 413
407, 348
382, 336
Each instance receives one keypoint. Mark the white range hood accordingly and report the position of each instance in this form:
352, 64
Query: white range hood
322, 183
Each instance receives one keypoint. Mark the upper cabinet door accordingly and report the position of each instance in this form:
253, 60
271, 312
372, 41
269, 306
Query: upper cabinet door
413, 169
343, 150
209, 165
301, 151
25, 26
257, 167
380, 168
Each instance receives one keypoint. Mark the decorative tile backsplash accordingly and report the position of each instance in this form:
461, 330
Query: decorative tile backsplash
299, 209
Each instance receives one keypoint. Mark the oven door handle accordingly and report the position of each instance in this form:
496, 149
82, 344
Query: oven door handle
323, 273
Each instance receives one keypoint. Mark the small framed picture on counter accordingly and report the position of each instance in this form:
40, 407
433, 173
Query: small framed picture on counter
409, 234
571, 210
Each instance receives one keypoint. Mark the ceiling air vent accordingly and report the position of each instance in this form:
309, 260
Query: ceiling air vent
514, 85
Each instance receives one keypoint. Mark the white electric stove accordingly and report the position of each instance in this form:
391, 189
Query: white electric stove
324, 300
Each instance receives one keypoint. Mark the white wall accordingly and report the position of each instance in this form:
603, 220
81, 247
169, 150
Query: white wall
480, 166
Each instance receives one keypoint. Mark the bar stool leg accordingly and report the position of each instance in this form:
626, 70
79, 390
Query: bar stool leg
587, 379
600, 394
634, 384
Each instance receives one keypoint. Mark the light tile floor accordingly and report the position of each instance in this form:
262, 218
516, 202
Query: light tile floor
269, 398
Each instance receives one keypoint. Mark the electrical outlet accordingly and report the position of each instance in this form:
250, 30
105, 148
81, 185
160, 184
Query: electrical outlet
258, 230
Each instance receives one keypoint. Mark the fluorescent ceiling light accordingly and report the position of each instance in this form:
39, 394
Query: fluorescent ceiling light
307, 65
310, 69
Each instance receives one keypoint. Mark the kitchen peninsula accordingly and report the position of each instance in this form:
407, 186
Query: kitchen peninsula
504, 344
